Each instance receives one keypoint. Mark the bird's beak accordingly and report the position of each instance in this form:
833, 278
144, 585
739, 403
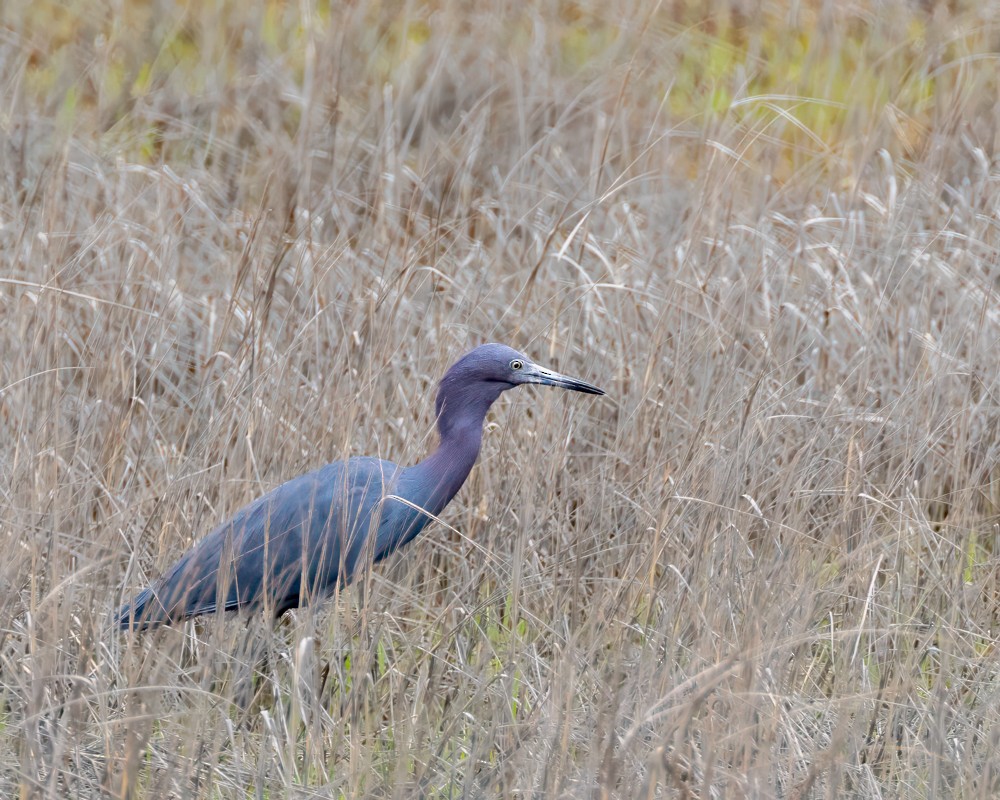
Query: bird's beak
546, 377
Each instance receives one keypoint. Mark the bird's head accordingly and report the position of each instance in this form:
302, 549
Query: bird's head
483, 374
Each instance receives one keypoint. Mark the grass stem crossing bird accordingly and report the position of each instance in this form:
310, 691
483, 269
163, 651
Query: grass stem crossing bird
302, 540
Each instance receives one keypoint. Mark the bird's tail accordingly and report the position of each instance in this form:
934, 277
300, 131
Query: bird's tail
144, 612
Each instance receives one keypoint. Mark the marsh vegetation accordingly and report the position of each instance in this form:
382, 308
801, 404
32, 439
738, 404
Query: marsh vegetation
240, 240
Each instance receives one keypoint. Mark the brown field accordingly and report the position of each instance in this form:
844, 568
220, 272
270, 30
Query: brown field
239, 240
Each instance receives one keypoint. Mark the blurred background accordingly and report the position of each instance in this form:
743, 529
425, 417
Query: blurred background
240, 240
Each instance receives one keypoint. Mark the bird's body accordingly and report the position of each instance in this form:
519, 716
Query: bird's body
300, 541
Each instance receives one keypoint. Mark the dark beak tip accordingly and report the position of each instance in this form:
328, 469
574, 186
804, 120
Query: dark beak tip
586, 388
548, 378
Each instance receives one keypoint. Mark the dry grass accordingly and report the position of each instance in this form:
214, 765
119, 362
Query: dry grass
239, 241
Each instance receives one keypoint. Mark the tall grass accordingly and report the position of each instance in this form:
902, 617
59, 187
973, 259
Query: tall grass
240, 240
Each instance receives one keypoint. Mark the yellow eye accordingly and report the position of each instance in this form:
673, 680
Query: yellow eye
516, 364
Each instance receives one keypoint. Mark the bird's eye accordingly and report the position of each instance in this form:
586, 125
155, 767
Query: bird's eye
516, 364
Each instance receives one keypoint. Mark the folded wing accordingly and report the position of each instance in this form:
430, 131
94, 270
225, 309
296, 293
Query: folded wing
291, 545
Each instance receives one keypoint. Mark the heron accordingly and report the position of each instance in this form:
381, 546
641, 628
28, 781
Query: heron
315, 533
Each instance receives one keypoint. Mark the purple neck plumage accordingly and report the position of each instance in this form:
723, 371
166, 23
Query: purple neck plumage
461, 408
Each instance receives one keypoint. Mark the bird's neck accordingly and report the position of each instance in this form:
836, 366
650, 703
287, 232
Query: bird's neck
461, 410
437, 479
446, 469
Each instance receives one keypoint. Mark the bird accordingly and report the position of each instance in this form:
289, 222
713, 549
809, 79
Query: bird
317, 532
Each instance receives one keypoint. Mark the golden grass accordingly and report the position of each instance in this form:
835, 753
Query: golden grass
240, 240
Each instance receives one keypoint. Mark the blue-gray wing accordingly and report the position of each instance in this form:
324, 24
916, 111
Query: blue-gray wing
293, 544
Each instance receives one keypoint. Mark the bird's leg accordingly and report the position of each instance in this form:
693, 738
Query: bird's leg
324, 673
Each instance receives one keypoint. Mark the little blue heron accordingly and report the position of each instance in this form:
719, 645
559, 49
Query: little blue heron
300, 541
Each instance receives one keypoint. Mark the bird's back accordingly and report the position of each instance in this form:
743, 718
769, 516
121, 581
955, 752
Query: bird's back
314, 527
